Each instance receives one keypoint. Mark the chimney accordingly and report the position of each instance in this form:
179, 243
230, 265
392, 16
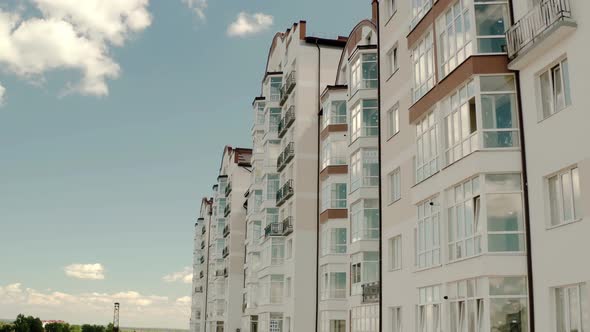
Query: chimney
375, 11
302, 30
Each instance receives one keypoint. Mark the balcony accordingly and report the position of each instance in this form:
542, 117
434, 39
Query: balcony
273, 229
202, 244
228, 189
287, 87
219, 273
227, 210
199, 289
203, 230
201, 274
284, 193
286, 121
286, 156
225, 272
225, 231
202, 259
545, 24
225, 252
371, 292
287, 226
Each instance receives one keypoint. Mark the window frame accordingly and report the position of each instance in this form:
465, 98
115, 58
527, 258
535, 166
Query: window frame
573, 172
393, 123
395, 253
565, 85
395, 185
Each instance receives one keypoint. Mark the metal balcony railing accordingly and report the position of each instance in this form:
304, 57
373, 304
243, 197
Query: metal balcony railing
533, 25
202, 259
201, 274
286, 156
225, 252
287, 87
203, 230
371, 292
287, 226
285, 192
227, 210
273, 229
287, 121
226, 231
225, 272
228, 189
202, 244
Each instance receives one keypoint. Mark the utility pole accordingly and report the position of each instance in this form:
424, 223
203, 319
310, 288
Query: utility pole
116, 318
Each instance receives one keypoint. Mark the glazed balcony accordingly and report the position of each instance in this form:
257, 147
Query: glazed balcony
227, 210
286, 156
228, 189
541, 28
371, 292
287, 88
273, 229
285, 192
225, 231
286, 121
225, 252
202, 244
287, 226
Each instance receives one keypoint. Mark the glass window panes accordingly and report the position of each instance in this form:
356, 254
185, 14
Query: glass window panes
565, 201
423, 67
555, 89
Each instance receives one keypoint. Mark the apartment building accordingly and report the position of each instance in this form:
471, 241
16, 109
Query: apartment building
454, 221
200, 268
547, 45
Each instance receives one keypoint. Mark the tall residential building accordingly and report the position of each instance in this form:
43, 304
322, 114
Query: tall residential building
547, 45
200, 266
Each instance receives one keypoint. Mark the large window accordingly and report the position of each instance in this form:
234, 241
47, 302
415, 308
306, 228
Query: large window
572, 311
274, 119
364, 270
555, 89
427, 144
364, 220
466, 306
455, 36
334, 241
508, 304
275, 88
419, 9
333, 283
274, 251
329, 324
272, 186
364, 169
565, 201
363, 73
499, 111
504, 212
464, 221
334, 151
364, 119
364, 319
428, 234
492, 19
334, 196
423, 67
460, 123
273, 289
429, 309
334, 113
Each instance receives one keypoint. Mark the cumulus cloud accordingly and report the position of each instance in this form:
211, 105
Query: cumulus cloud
2, 91
138, 309
197, 6
85, 271
184, 276
71, 34
249, 24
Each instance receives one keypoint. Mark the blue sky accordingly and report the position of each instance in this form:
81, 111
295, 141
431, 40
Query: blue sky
115, 178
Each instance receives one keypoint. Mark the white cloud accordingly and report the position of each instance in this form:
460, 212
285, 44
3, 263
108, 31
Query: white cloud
85, 271
2, 91
249, 24
184, 276
197, 6
71, 34
138, 309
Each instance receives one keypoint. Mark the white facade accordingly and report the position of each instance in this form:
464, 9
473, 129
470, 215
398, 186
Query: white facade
200, 267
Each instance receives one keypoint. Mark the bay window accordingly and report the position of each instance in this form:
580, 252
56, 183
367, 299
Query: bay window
508, 304
275, 88
259, 116
363, 72
499, 111
419, 9
364, 318
422, 57
334, 113
427, 144
429, 309
455, 36
334, 196
565, 202
466, 305
364, 270
555, 89
274, 118
272, 289
364, 169
334, 241
272, 186
460, 123
572, 312
428, 234
364, 119
364, 220
333, 283
464, 221
492, 20
271, 216
274, 251
334, 151
504, 212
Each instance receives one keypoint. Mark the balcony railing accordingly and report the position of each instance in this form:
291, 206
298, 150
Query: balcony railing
273, 229
225, 272
226, 231
287, 87
199, 289
203, 230
533, 25
219, 273
287, 226
202, 259
287, 121
228, 189
371, 292
225, 252
286, 156
202, 244
201, 274
227, 210
285, 192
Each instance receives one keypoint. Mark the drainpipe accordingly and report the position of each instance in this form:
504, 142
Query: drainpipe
525, 186
317, 278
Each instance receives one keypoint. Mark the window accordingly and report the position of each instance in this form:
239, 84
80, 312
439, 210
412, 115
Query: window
393, 121
491, 22
460, 123
555, 89
508, 304
572, 312
364, 270
330, 324
364, 169
423, 66
419, 9
334, 241
334, 113
288, 287
565, 202
464, 221
499, 111
364, 119
334, 196
363, 73
504, 208
364, 220
455, 37
427, 233
395, 318
333, 283
259, 118
391, 7
427, 144
466, 306
429, 309
274, 119
274, 251
395, 253
272, 186
275, 88
395, 185
364, 319
392, 60
334, 151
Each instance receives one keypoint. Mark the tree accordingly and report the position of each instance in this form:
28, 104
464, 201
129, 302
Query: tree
93, 328
6, 327
110, 328
27, 324
57, 327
